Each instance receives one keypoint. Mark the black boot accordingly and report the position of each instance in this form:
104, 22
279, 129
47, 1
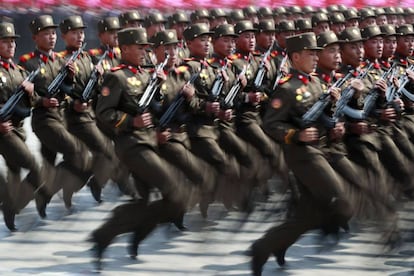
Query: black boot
280, 257
95, 189
42, 199
97, 252
179, 223
133, 246
258, 260
8, 216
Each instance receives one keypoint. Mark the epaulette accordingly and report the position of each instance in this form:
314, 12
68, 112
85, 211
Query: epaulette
274, 54
234, 56
95, 52
256, 53
181, 69
211, 60
119, 67
285, 78
62, 53
27, 57
188, 59
339, 75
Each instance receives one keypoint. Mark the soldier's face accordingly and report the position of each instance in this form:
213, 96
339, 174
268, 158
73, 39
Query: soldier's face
338, 28
321, 27
224, 46
133, 24
352, 53
392, 19
246, 42
109, 38
390, 45
45, 39
199, 46
74, 38
330, 58
381, 20
373, 47
265, 39
352, 23
405, 45
179, 28
305, 61
281, 38
135, 54
171, 50
7, 48
368, 22
217, 22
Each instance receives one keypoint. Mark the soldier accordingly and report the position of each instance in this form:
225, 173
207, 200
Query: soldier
283, 30
223, 44
47, 119
79, 115
108, 36
250, 13
153, 23
130, 19
390, 44
303, 25
320, 23
391, 14
200, 16
248, 119
381, 17
201, 126
179, 22
367, 18
16, 194
236, 15
217, 17
337, 22
136, 146
351, 18
321, 201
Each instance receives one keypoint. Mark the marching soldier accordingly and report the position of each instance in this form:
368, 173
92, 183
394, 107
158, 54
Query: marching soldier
108, 36
321, 201
179, 22
48, 121
79, 115
135, 145
16, 193
130, 19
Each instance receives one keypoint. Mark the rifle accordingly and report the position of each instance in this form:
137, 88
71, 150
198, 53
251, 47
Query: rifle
53, 88
234, 90
261, 71
175, 105
93, 79
218, 84
403, 81
370, 100
10, 107
315, 112
152, 87
280, 73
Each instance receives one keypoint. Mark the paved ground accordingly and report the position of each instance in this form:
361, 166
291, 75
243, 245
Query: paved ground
57, 245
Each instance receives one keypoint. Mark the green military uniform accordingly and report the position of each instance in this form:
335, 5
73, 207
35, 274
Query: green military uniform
113, 55
82, 123
248, 119
137, 148
48, 123
389, 154
321, 200
15, 195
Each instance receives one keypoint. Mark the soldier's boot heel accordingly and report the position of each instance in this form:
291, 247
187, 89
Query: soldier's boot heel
67, 197
132, 250
258, 260
8, 216
280, 257
42, 198
96, 189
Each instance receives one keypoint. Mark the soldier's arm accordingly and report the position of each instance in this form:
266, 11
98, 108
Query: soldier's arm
108, 106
